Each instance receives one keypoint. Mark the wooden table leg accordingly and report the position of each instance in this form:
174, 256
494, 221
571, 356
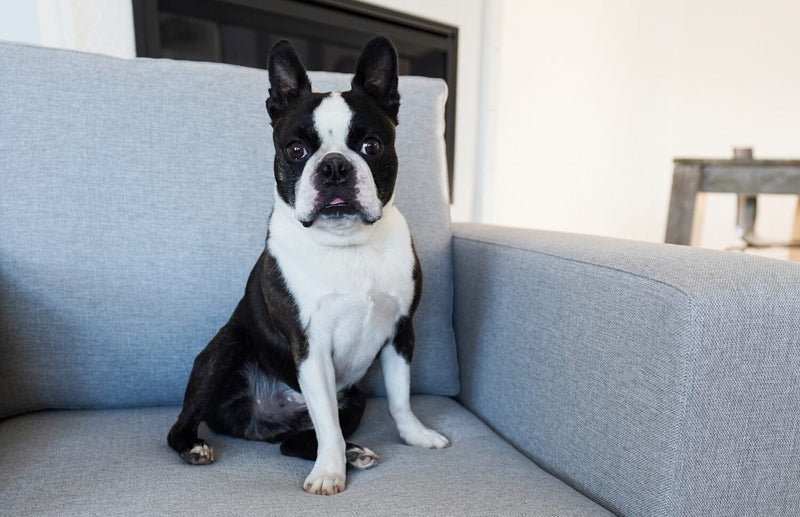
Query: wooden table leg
685, 186
794, 253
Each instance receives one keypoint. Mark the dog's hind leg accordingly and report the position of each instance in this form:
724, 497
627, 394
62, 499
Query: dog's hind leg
210, 385
304, 444
360, 457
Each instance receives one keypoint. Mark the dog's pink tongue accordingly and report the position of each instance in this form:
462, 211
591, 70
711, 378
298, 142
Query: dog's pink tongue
337, 201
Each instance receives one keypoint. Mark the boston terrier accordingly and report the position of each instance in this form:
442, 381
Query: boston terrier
336, 286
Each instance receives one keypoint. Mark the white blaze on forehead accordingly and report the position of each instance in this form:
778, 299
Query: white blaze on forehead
332, 121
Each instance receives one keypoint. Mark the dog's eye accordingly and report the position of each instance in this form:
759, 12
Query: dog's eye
370, 146
296, 151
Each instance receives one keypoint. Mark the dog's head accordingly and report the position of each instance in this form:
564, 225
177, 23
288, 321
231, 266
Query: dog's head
335, 162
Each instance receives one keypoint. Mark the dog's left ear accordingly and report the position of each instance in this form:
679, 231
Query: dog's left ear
376, 74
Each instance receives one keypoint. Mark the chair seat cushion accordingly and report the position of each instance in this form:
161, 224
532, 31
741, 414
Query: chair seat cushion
116, 461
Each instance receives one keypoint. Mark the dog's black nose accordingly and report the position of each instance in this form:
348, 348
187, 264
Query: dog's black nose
335, 170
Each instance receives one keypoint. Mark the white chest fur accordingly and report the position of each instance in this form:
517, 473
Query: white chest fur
349, 297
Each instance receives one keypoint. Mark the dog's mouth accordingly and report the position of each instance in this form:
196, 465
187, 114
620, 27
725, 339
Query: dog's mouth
339, 207
337, 202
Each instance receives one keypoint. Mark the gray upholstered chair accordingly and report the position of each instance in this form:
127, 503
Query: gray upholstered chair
574, 375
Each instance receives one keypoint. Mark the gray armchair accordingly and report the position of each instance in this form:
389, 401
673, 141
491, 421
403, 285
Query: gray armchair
574, 375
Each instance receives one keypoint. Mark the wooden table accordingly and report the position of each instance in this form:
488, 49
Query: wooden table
741, 175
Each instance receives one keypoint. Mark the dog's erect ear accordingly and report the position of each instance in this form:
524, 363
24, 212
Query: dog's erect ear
376, 74
288, 80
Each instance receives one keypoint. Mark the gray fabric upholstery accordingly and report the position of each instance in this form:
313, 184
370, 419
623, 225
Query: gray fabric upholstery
115, 462
134, 194
134, 197
661, 380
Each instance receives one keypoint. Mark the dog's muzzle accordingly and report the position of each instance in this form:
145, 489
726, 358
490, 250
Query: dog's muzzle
335, 181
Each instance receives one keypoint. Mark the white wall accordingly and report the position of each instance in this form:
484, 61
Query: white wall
590, 100
19, 21
101, 26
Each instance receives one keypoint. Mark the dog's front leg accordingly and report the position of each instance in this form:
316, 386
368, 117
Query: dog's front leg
317, 380
397, 377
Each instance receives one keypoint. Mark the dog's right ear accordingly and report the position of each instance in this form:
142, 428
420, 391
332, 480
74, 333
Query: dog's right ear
288, 80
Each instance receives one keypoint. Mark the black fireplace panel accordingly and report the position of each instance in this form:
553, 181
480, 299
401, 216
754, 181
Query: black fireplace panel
327, 34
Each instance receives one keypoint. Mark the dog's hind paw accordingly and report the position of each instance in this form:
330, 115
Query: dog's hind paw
200, 454
360, 457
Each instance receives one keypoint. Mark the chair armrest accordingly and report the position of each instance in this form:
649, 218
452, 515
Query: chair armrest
657, 379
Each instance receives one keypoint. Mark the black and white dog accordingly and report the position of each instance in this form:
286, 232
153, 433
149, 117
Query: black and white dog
336, 286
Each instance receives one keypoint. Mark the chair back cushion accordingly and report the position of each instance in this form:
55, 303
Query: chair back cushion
134, 202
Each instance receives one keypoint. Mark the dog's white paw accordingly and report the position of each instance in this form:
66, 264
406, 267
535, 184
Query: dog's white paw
200, 454
323, 482
421, 436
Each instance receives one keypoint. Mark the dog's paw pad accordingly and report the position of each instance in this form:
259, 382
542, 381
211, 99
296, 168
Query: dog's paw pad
361, 458
200, 454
